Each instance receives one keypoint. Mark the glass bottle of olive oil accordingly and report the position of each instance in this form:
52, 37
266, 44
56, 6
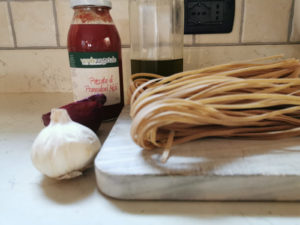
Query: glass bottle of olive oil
156, 29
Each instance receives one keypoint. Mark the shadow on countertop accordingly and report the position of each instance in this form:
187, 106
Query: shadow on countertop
69, 191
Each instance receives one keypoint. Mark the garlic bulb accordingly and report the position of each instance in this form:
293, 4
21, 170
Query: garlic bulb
64, 148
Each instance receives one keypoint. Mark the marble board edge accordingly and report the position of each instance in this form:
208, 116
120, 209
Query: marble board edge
256, 187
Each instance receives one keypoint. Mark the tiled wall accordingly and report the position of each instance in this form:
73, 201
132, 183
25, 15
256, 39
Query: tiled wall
33, 56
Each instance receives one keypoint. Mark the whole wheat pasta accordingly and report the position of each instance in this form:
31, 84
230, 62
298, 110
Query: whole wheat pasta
243, 99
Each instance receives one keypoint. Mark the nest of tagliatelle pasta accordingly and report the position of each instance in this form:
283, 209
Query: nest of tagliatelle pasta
251, 99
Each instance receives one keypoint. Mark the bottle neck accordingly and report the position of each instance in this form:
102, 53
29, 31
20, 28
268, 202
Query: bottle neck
92, 15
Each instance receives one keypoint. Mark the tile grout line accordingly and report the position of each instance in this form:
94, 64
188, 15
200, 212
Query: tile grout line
290, 27
242, 21
244, 44
28, 0
34, 48
55, 23
12, 26
187, 46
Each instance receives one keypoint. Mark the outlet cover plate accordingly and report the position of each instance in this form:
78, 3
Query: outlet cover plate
208, 16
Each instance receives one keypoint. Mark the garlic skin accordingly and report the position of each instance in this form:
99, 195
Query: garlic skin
64, 148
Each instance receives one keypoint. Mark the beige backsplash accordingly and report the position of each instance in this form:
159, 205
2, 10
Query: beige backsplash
33, 55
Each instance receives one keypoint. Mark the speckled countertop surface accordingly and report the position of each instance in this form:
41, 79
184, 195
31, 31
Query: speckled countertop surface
27, 197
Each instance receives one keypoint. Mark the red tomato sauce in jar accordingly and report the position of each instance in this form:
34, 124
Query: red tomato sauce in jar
95, 57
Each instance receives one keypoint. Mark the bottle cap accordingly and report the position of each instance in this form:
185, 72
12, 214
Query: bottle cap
106, 3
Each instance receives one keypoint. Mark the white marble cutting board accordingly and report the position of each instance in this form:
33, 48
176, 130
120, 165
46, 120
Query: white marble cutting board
207, 169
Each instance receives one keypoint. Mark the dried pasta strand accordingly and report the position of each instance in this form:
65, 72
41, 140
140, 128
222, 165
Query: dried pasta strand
244, 99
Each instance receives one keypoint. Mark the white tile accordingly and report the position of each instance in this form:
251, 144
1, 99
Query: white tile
34, 23
198, 57
266, 20
6, 38
188, 39
126, 72
295, 36
35, 71
49, 73
120, 16
232, 37
64, 18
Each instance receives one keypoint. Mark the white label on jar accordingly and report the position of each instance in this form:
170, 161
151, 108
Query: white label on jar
94, 73
87, 82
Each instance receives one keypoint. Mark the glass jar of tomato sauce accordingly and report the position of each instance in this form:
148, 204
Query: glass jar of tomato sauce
95, 54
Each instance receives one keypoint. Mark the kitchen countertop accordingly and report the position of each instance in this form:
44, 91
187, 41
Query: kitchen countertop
27, 197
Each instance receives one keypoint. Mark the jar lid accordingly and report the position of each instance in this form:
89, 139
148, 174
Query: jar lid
106, 3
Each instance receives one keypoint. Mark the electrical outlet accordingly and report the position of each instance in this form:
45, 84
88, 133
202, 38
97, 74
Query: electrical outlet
208, 16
